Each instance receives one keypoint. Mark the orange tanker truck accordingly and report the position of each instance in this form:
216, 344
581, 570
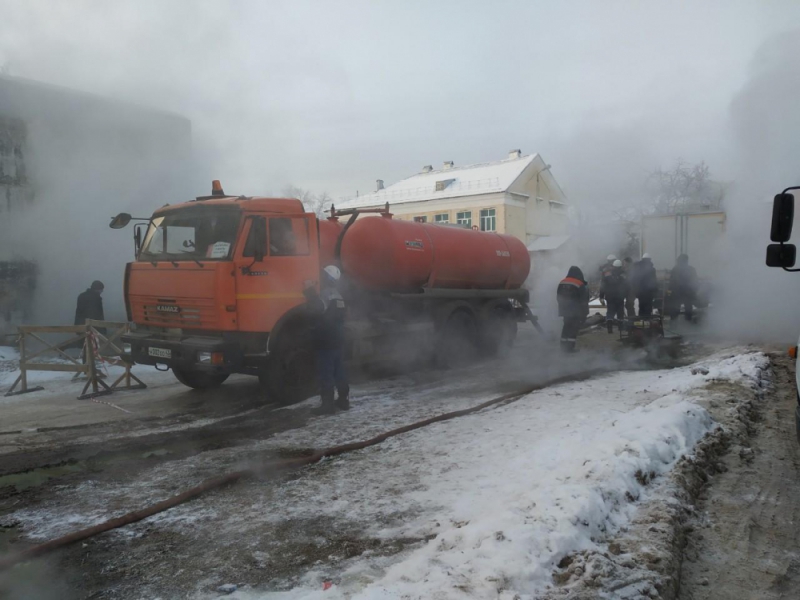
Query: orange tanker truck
217, 288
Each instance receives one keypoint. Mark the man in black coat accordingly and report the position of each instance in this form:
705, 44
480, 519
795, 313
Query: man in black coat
90, 304
683, 287
573, 305
646, 284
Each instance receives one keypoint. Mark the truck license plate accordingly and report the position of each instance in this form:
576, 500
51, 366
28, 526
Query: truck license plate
160, 352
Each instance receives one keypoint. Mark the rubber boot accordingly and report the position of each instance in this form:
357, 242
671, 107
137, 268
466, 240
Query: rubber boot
610, 325
343, 401
327, 406
568, 347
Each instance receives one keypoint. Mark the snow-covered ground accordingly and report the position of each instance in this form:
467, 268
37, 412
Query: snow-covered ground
509, 492
496, 498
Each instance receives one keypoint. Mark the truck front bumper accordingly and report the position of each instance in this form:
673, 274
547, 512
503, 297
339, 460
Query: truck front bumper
190, 353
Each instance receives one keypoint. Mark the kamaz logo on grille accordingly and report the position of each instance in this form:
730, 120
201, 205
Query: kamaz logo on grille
169, 308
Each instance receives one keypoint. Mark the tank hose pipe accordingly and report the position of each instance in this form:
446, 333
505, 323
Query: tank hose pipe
337, 252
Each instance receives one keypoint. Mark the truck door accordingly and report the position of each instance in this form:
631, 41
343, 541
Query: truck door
267, 289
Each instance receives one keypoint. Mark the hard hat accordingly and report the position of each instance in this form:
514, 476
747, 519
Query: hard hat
333, 272
611, 257
645, 255
97, 285
617, 263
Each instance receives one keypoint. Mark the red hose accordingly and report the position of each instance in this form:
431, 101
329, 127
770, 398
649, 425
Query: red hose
265, 469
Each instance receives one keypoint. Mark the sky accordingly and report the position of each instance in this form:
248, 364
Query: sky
333, 95
330, 96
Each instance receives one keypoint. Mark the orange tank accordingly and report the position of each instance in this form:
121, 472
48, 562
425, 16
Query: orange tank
385, 254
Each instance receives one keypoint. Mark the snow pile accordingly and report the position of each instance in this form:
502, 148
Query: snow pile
9, 360
504, 495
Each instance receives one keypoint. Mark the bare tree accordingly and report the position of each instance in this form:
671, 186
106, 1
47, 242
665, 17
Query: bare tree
684, 188
316, 203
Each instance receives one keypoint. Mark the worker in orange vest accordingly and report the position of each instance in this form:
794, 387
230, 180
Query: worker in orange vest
573, 305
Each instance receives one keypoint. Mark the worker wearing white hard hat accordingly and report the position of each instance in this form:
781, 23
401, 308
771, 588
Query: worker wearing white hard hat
329, 332
605, 269
614, 290
333, 272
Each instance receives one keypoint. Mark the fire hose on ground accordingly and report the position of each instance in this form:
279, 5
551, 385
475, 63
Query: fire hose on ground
263, 470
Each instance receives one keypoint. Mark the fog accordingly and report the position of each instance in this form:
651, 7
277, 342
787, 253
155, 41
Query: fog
331, 96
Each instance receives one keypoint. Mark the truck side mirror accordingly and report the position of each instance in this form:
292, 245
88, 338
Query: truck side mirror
120, 221
782, 218
781, 255
137, 237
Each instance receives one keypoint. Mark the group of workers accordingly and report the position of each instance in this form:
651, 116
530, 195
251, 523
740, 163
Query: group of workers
622, 284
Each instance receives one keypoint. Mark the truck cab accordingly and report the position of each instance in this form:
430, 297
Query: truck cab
784, 256
214, 283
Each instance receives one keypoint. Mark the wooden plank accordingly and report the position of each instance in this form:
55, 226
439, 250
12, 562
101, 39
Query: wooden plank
52, 328
106, 324
55, 367
53, 347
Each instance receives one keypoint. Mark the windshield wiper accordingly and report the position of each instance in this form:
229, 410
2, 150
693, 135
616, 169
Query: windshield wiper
199, 264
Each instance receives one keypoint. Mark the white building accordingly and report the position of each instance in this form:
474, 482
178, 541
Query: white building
517, 195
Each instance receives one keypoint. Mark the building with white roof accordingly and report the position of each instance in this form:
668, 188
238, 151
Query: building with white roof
517, 195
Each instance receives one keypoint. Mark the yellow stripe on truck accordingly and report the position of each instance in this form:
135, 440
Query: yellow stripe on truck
269, 296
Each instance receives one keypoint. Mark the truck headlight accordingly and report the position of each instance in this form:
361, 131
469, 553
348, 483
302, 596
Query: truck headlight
211, 358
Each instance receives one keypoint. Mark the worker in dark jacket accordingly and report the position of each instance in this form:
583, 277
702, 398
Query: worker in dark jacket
646, 285
573, 305
614, 290
683, 287
90, 304
629, 268
606, 266
329, 308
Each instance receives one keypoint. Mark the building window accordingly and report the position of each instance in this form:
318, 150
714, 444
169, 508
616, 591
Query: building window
420, 219
464, 218
442, 185
442, 218
488, 220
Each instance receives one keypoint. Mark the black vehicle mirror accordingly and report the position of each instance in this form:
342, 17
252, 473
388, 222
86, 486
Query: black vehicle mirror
120, 221
782, 218
781, 255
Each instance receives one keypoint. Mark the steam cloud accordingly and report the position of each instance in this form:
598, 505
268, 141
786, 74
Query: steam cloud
331, 97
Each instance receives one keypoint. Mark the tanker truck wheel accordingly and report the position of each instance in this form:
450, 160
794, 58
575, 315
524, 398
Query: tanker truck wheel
290, 374
198, 380
457, 343
498, 329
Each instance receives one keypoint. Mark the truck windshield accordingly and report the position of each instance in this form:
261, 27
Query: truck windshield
191, 234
